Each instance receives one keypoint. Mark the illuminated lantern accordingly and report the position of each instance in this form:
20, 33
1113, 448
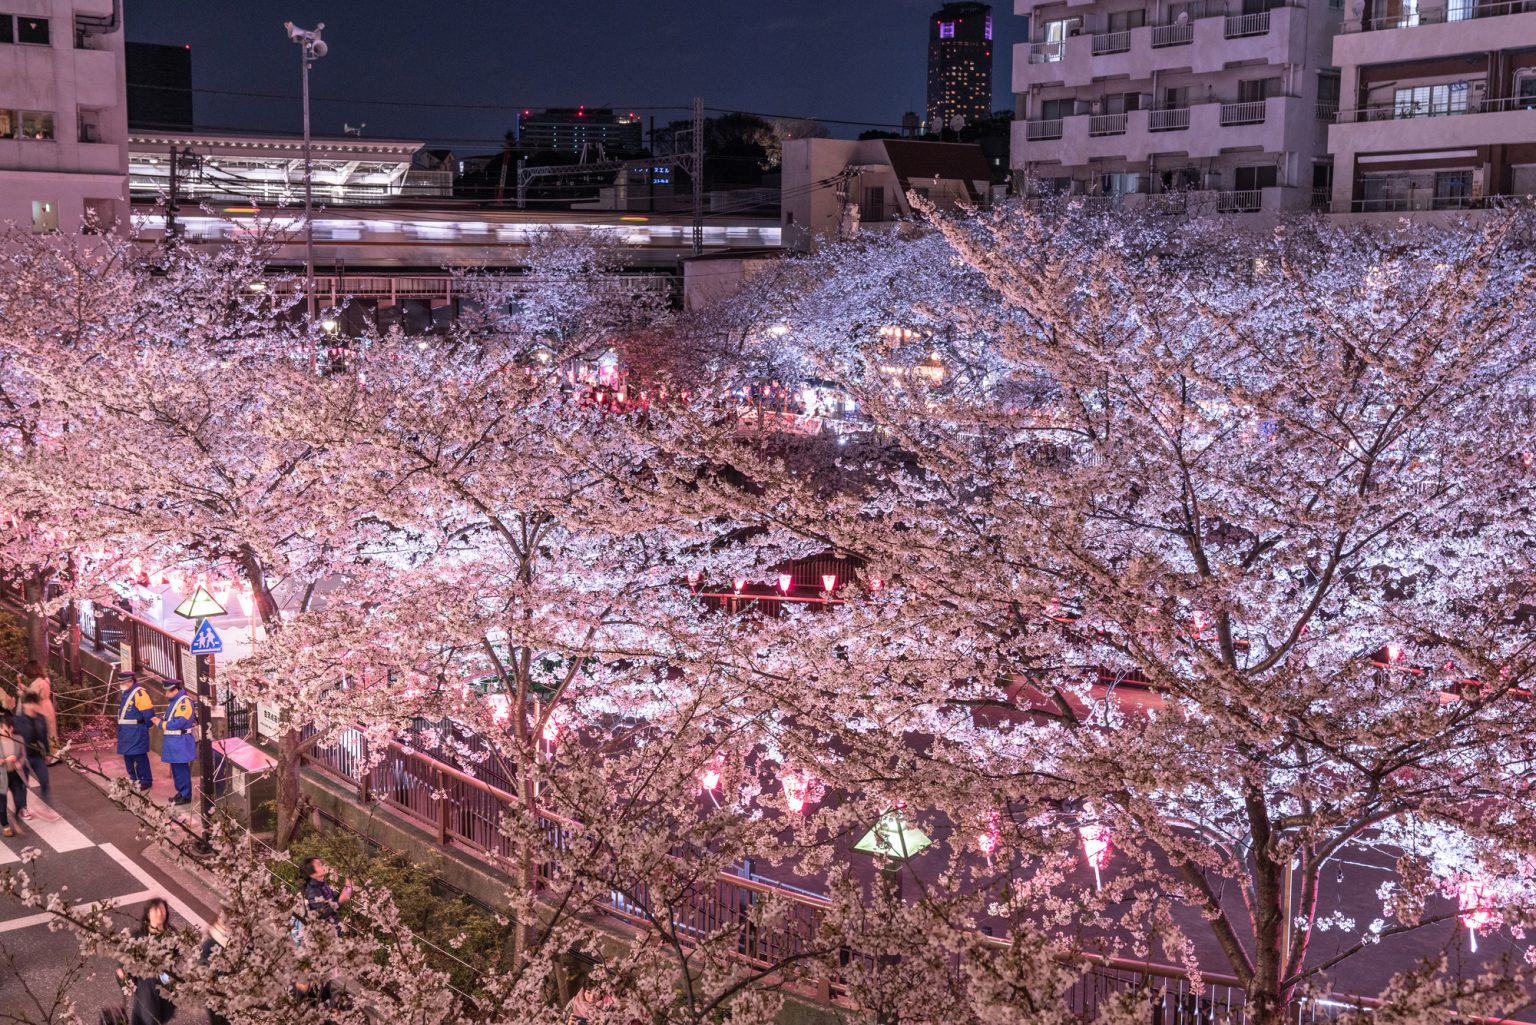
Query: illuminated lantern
1200, 623
829, 582
797, 791
1394, 652
500, 707
1472, 895
221, 591
551, 731
709, 779
875, 583
987, 842
1095, 847
247, 598
693, 580
739, 583
786, 581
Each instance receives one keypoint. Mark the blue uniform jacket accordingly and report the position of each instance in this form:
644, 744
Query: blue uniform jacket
133, 717
181, 715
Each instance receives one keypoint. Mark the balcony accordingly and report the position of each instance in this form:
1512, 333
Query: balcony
1172, 120
1449, 26
1106, 124
1241, 26
1034, 131
1207, 129
1201, 44
1447, 11
1046, 53
1245, 113
1164, 36
1240, 201
1328, 110
1111, 42
1389, 127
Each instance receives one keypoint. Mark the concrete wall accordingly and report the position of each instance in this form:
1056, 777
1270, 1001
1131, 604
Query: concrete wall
65, 81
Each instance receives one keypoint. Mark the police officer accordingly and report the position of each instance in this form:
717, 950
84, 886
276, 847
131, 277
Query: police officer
134, 717
178, 741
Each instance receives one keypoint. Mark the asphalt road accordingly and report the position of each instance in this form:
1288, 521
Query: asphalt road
94, 851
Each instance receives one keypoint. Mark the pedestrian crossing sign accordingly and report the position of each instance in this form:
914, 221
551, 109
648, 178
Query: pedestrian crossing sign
206, 640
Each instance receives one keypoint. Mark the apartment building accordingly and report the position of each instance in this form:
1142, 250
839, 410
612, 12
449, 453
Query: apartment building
1439, 108
63, 117
1189, 105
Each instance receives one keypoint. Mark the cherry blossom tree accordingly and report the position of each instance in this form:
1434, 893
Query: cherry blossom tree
1214, 544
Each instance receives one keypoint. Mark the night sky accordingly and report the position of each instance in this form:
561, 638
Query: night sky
466, 66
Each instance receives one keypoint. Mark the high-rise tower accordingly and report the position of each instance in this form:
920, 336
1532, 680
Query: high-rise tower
959, 64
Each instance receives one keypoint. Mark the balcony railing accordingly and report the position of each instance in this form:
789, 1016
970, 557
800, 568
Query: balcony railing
1249, 113
1106, 124
1035, 131
1322, 200
1173, 120
1455, 10
1241, 25
1172, 35
1111, 42
1327, 110
1046, 53
1406, 111
1240, 201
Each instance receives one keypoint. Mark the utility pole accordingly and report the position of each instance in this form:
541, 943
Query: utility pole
698, 175
183, 159
311, 49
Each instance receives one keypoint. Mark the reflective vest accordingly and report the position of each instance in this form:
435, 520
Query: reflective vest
133, 717
178, 742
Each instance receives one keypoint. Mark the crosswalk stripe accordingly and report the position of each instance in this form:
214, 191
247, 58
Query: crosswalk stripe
58, 834
7, 856
43, 918
137, 871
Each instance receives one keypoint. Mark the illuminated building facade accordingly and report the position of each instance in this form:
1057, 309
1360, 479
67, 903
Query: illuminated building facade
574, 129
959, 64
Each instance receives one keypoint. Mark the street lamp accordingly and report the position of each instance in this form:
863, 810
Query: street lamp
311, 49
199, 606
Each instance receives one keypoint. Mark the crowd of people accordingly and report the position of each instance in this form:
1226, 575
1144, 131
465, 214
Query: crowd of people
29, 731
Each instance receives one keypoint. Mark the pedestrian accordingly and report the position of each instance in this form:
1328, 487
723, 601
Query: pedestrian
321, 901
35, 720
13, 780
134, 717
216, 940
148, 1003
178, 741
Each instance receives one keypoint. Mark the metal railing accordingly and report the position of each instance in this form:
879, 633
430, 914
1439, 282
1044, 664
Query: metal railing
1111, 42
1240, 201
1455, 10
1107, 124
1046, 53
447, 286
1038, 130
458, 809
1395, 111
1239, 26
1247, 113
1174, 119
1172, 35
1322, 200
1327, 110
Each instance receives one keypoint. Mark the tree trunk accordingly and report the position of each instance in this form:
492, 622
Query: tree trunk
34, 589
289, 794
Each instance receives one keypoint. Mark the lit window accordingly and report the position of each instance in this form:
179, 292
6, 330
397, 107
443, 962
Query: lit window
946, 30
36, 124
45, 217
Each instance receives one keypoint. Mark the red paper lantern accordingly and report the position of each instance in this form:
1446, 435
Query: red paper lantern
829, 582
786, 581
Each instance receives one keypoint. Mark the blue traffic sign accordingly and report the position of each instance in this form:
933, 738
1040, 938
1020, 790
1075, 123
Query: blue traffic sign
206, 640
